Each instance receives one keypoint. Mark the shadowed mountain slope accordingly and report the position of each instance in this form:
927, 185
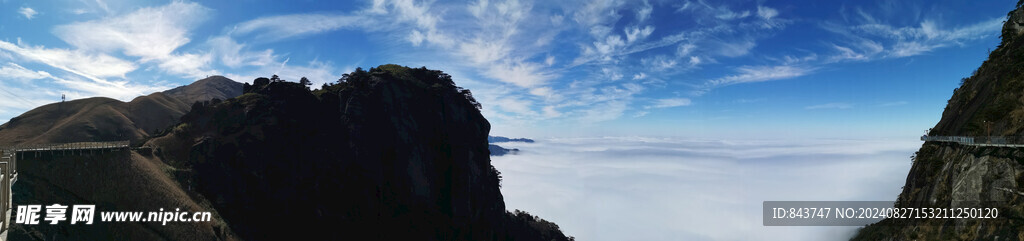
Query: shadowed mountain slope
390, 154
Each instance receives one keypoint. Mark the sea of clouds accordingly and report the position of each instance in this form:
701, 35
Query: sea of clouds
634, 188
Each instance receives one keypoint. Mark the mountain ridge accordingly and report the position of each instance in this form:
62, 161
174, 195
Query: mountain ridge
106, 119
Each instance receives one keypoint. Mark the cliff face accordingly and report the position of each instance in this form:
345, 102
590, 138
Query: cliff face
989, 103
391, 154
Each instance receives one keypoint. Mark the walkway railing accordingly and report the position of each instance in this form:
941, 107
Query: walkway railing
73, 146
998, 141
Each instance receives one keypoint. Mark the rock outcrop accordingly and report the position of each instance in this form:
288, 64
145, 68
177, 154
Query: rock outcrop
391, 154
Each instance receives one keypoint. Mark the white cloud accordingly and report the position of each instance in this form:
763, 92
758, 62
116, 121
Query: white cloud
149, 33
659, 62
835, 105
767, 13
507, 41
235, 55
721, 12
551, 112
640, 76
600, 12
542, 91
103, 5
515, 105
694, 60
152, 34
378, 7
750, 74
275, 28
122, 90
894, 103
190, 65
519, 73
644, 12
847, 54
611, 43
636, 33
668, 103
16, 72
481, 51
726, 14
604, 111
611, 74
416, 38
907, 41
685, 49
419, 14
28, 12
736, 49
92, 66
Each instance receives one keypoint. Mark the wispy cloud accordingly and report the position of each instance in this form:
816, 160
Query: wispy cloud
16, 72
751, 74
89, 65
835, 105
880, 40
644, 11
28, 12
894, 103
288, 26
234, 55
152, 34
670, 102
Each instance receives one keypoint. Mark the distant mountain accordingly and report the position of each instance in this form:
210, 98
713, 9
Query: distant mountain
497, 150
213, 87
106, 119
500, 139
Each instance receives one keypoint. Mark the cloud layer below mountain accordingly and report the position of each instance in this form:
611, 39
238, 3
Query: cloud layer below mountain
674, 189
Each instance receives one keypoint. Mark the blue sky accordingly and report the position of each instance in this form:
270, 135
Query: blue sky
701, 68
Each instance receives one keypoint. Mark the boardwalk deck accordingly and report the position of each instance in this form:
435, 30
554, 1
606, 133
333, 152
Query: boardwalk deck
986, 141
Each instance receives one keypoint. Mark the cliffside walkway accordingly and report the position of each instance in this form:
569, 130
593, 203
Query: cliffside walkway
993, 141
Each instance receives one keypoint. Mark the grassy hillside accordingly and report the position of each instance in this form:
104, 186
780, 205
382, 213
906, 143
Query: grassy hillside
105, 119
